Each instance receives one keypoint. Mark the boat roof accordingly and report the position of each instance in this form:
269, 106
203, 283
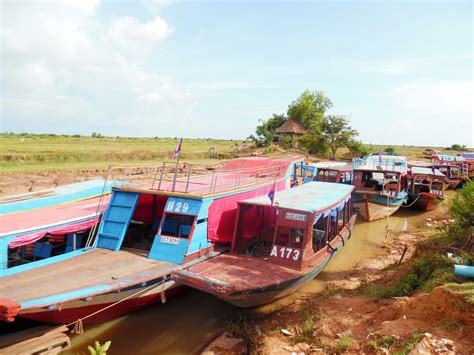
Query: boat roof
328, 164
315, 196
447, 157
237, 174
381, 163
425, 171
341, 168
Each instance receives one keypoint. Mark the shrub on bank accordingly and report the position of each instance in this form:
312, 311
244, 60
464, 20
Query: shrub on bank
432, 267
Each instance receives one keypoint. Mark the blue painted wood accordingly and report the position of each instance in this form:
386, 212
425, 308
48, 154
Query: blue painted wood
58, 195
183, 205
116, 219
199, 240
172, 253
3, 254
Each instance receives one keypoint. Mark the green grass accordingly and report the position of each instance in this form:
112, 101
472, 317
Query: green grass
40, 152
424, 274
465, 290
380, 342
343, 344
413, 341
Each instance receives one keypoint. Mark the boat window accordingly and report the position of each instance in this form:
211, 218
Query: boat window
319, 233
177, 225
296, 237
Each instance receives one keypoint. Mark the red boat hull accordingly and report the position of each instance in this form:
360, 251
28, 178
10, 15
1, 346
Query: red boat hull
427, 201
69, 315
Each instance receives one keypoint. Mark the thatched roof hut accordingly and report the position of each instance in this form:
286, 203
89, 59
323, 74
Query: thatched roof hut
291, 127
294, 129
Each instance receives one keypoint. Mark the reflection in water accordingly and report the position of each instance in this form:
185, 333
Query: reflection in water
189, 320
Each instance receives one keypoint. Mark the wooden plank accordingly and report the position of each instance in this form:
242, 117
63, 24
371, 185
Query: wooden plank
97, 267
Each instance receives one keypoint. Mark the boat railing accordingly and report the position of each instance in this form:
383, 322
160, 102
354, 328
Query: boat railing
193, 178
384, 163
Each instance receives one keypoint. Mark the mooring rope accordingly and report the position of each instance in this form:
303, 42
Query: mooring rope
78, 325
411, 204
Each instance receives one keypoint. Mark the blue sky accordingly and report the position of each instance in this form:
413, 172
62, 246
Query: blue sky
401, 71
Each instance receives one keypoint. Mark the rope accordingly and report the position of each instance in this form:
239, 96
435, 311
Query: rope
78, 326
387, 226
411, 204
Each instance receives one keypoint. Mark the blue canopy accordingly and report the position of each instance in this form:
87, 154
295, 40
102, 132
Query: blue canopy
312, 197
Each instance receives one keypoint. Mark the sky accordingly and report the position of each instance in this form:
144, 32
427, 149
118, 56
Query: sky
401, 71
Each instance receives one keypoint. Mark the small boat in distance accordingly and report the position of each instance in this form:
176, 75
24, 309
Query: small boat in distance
341, 174
380, 185
426, 188
277, 247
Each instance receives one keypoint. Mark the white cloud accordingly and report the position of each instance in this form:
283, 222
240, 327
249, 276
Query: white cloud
389, 68
438, 98
65, 69
434, 112
138, 38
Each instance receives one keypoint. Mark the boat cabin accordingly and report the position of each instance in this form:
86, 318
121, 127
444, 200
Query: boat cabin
291, 232
338, 174
183, 218
333, 170
427, 180
385, 175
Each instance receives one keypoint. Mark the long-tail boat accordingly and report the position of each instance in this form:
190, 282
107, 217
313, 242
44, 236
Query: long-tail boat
426, 188
49, 222
380, 185
150, 229
277, 247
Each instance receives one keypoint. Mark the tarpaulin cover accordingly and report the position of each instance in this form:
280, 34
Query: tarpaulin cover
222, 212
61, 230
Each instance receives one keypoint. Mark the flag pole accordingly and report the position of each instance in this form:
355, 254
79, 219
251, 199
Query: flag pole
175, 173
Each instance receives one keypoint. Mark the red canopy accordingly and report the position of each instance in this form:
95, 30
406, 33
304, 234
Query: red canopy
60, 230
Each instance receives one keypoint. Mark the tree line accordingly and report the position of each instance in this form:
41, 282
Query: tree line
323, 133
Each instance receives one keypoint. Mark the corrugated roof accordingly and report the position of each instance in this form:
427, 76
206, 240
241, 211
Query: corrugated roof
312, 197
291, 126
425, 171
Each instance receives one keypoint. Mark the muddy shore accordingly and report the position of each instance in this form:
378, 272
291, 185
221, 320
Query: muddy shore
341, 319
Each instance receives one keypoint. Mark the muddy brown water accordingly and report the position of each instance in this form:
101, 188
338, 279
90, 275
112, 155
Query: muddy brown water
192, 319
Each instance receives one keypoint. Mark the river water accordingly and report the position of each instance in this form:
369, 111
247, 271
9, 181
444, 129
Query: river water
190, 320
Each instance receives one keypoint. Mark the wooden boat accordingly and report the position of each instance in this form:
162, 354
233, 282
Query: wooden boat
277, 248
380, 185
453, 174
50, 222
339, 174
149, 230
339, 171
426, 188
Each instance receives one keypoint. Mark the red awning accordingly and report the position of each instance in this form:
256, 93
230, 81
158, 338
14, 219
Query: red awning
61, 230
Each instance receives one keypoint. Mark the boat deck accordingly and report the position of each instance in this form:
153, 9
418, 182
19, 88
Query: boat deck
93, 268
241, 272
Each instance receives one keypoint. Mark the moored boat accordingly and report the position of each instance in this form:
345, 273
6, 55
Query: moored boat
339, 174
148, 231
426, 188
277, 247
380, 185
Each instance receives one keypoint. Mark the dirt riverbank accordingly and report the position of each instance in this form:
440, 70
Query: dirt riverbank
342, 319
